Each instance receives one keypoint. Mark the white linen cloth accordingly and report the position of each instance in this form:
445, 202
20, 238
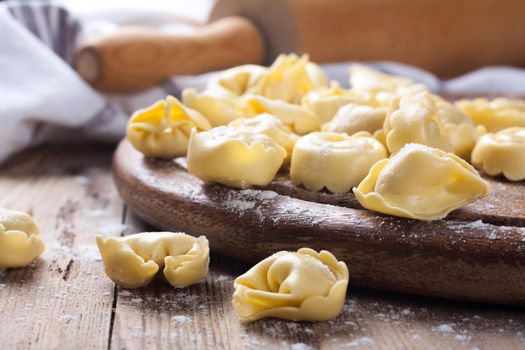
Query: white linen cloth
42, 99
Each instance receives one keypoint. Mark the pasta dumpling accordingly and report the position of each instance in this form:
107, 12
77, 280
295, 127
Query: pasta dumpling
422, 183
334, 161
498, 114
218, 110
298, 118
273, 127
163, 129
502, 153
289, 78
414, 119
235, 81
353, 118
20, 242
234, 157
133, 261
325, 102
303, 285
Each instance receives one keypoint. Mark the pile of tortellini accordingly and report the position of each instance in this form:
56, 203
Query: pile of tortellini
402, 150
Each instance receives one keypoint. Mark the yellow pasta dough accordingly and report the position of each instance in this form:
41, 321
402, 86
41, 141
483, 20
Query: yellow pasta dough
271, 126
163, 129
302, 285
218, 110
234, 157
20, 243
502, 153
298, 118
495, 115
133, 261
353, 118
234, 81
422, 183
334, 161
289, 78
325, 102
414, 119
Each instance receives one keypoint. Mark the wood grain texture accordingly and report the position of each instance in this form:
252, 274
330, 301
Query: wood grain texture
461, 258
41, 181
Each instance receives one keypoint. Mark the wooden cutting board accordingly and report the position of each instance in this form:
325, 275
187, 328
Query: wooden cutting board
477, 253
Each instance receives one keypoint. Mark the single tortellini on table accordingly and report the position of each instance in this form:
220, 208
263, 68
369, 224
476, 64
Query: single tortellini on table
502, 153
163, 129
498, 114
353, 118
461, 130
334, 161
325, 102
218, 110
422, 183
235, 81
20, 242
414, 119
271, 126
300, 119
289, 78
133, 261
234, 157
303, 285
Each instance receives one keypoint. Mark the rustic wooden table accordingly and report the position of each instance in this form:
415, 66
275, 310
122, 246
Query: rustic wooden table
65, 301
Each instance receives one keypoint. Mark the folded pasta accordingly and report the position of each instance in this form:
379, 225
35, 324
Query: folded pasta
217, 109
353, 118
498, 114
234, 157
163, 129
422, 183
20, 242
133, 261
235, 81
302, 285
502, 153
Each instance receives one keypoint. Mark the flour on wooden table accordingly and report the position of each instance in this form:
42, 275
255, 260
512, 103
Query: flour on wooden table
180, 319
240, 201
364, 341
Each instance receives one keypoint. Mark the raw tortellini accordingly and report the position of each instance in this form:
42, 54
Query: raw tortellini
502, 153
305, 285
289, 78
133, 261
20, 243
353, 118
273, 127
495, 115
335, 161
422, 183
298, 118
219, 110
234, 157
235, 81
414, 119
163, 129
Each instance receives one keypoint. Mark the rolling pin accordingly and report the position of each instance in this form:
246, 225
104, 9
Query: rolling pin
444, 37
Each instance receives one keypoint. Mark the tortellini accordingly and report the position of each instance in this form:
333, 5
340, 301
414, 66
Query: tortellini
163, 129
414, 118
133, 261
502, 153
353, 118
289, 78
20, 243
333, 160
218, 110
495, 115
302, 285
235, 81
298, 118
234, 157
422, 183
273, 127
325, 102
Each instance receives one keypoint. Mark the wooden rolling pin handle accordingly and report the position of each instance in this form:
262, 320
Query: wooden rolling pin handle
135, 58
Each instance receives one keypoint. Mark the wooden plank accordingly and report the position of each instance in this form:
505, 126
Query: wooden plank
62, 301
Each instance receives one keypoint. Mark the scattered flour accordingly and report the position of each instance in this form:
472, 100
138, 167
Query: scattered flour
136, 300
2, 286
66, 318
180, 319
444, 328
416, 337
364, 341
300, 346
124, 293
243, 200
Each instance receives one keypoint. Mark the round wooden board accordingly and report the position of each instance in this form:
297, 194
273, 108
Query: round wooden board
477, 253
